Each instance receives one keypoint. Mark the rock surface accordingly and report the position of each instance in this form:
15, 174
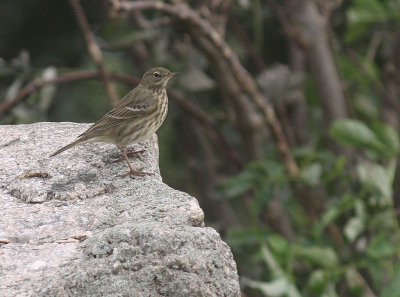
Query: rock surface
69, 226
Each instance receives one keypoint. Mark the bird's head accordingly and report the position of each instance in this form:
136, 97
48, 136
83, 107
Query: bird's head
157, 77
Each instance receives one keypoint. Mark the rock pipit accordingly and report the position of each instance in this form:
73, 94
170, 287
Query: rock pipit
134, 119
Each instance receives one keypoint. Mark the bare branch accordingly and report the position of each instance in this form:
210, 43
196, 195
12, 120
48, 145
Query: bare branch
38, 83
94, 50
290, 30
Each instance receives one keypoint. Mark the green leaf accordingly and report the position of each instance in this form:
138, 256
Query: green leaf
353, 228
236, 186
263, 193
361, 15
277, 287
281, 285
332, 212
271, 262
356, 133
356, 225
260, 176
364, 104
321, 283
352, 132
317, 281
353, 281
337, 170
350, 70
389, 137
367, 11
392, 289
380, 247
278, 244
322, 256
242, 238
312, 174
378, 177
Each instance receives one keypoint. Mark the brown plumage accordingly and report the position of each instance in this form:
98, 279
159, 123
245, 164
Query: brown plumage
135, 118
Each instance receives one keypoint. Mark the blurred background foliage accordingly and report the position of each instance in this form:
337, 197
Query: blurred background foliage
330, 70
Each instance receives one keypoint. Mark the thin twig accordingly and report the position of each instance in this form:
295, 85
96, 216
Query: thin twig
291, 31
365, 71
38, 83
243, 78
94, 50
211, 129
246, 118
257, 60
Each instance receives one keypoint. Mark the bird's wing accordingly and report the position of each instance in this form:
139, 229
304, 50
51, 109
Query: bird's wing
118, 116
130, 107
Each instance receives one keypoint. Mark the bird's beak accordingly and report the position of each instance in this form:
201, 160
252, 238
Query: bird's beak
172, 74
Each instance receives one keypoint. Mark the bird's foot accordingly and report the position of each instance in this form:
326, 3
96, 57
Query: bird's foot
136, 173
129, 155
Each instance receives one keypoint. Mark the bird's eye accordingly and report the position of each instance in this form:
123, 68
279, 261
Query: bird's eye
156, 75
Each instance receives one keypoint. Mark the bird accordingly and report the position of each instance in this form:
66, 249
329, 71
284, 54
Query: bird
135, 118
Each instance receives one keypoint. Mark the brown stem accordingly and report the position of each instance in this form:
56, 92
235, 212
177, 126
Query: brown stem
256, 59
204, 171
311, 26
300, 38
288, 28
94, 50
390, 112
211, 130
38, 83
297, 47
246, 118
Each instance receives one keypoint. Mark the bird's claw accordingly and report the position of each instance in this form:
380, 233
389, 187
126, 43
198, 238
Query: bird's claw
136, 173
129, 154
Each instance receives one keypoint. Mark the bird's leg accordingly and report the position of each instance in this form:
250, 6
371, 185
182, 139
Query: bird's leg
132, 171
129, 155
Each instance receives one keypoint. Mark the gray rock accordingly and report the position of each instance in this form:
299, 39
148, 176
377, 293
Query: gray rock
70, 226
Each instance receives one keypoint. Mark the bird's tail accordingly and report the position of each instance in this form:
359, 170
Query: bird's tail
79, 140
